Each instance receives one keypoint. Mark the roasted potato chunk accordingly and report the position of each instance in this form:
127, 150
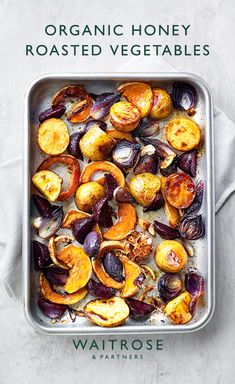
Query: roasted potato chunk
107, 312
183, 134
88, 194
53, 136
124, 116
139, 94
180, 190
162, 104
48, 183
96, 144
178, 309
144, 187
170, 256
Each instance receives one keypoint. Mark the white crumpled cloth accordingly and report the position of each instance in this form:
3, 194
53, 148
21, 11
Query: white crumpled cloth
11, 186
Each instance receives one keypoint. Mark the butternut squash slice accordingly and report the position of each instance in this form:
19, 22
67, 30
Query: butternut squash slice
132, 272
48, 292
102, 166
126, 223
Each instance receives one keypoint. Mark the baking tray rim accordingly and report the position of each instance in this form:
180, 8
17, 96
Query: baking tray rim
131, 329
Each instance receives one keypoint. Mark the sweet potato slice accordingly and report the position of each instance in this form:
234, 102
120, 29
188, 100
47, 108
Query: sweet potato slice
183, 134
126, 222
139, 94
180, 190
102, 166
132, 272
48, 292
118, 135
107, 312
172, 213
48, 183
74, 215
124, 116
53, 136
80, 264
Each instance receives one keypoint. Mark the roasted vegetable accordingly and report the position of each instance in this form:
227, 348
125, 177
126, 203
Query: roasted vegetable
126, 222
43, 206
170, 256
113, 266
110, 184
102, 104
74, 215
56, 275
138, 246
102, 166
156, 204
192, 227
68, 299
107, 312
180, 190
53, 136
48, 183
146, 128
125, 154
50, 225
172, 213
184, 96
95, 123
102, 213
96, 144
183, 134
187, 162
139, 94
194, 283
73, 168
40, 255
81, 228
162, 104
88, 194
122, 195
139, 310
49, 113
133, 277
169, 286
144, 187
119, 135
51, 310
147, 163
53, 251
165, 231
100, 290
162, 150
92, 244
197, 202
73, 147
124, 116
178, 309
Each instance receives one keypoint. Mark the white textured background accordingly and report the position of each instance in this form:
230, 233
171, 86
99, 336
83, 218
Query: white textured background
203, 357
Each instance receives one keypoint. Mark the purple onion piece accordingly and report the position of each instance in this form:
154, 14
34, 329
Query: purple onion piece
169, 286
56, 275
194, 283
92, 244
157, 203
96, 97
139, 310
163, 150
146, 128
125, 154
102, 213
187, 162
197, 202
51, 310
113, 266
81, 228
139, 280
103, 104
110, 184
99, 123
43, 206
40, 255
55, 112
122, 195
184, 96
147, 163
172, 168
73, 147
165, 231
100, 290
191, 227
50, 225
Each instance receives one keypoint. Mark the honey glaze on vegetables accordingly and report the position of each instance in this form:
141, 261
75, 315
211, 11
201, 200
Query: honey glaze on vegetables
101, 247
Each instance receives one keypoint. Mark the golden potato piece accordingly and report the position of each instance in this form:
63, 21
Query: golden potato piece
107, 312
53, 136
48, 183
183, 134
139, 94
124, 116
68, 298
162, 104
170, 256
178, 309
88, 194
180, 190
144, 187
96, 144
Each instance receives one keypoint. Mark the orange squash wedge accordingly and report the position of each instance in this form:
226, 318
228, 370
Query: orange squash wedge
126, 223
102, 166
132, 272
48, 292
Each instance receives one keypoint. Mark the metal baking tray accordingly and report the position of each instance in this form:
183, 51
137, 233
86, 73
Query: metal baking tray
37, 99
